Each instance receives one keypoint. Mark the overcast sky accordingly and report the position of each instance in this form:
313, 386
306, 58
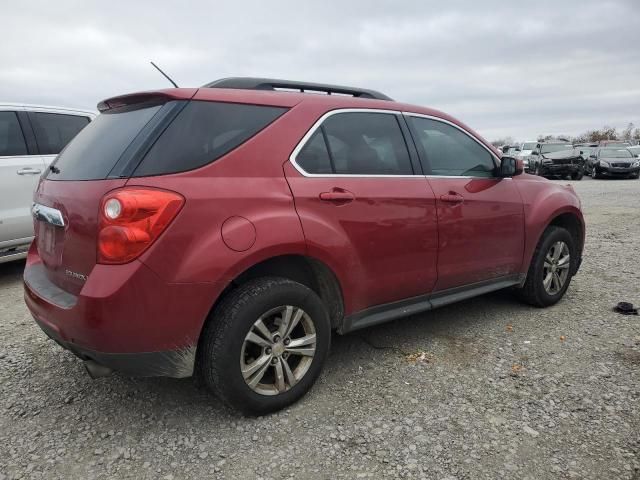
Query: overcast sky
507, 68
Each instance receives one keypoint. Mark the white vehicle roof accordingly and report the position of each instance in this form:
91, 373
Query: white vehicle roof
47, 109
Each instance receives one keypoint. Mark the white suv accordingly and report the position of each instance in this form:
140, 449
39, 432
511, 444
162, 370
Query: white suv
30, 138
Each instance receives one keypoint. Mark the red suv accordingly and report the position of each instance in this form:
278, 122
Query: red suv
227, 230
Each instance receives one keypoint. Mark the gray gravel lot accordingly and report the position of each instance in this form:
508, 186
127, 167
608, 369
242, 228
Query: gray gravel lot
488, 388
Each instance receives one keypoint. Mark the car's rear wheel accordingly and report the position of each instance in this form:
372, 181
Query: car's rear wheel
551, 269
265, 345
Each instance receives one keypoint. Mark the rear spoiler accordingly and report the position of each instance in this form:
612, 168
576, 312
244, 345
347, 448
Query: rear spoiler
150, 98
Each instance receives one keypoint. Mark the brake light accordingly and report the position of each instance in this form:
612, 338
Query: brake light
131, 219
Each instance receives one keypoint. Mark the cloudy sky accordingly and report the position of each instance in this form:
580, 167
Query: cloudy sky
506, 68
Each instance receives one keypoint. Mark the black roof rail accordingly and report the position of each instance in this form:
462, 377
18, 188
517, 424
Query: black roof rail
251, 83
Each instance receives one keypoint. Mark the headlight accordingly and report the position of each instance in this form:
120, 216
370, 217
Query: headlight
603, 163
636, 164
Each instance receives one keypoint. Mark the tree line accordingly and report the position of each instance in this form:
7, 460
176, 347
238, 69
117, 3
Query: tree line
630, 134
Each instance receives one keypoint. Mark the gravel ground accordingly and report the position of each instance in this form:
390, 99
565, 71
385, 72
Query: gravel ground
488, 388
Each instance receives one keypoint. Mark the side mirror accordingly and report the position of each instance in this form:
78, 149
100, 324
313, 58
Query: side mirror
518, 149
510, 167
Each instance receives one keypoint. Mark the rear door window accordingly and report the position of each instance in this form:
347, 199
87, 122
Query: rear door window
11, 138
54, 130
357, 143
203, 132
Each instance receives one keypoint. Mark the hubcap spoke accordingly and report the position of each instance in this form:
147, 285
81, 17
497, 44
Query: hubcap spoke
302, 341
547, 281
256, 365
280, 383
262, 329
286, 320
255, 379
557, 251
288, 374
308, 352
252, 337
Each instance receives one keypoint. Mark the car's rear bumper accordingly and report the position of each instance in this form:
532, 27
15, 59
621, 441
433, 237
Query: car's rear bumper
125, 317
169, 363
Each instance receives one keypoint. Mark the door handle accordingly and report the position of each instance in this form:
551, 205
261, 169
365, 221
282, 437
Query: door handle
338, 195
29, 171
452, 197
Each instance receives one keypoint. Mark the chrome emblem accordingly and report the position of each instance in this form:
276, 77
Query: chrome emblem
77, 276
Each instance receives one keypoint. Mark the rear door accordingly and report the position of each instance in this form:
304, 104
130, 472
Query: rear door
20, 170
364, 206
480, 217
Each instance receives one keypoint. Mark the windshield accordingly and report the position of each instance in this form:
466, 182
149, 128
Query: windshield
616, 153
555, 147
529, 146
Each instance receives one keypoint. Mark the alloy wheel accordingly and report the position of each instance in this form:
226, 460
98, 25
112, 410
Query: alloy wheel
556, 268
278, 350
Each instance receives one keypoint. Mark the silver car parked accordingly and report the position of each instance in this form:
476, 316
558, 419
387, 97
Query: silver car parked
30, 138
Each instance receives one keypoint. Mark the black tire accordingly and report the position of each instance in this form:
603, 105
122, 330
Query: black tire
594, 173
577, 175
223, 337
533, 291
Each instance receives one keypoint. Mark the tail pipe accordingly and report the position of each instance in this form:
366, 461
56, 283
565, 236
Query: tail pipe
96, 370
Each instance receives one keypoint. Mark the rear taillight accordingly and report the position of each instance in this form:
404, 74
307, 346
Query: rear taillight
131, 219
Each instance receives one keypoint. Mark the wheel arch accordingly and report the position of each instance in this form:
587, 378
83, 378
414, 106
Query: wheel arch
308, 271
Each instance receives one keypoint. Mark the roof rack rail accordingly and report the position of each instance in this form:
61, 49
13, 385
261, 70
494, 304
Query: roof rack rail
250, 83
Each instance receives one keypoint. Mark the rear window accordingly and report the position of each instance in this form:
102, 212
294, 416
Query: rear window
96, 149
54, 130
203, 132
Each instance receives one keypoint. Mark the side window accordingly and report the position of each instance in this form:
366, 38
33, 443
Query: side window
11, 138
314, 156
451, 152
202, 133
54, 130
363, 143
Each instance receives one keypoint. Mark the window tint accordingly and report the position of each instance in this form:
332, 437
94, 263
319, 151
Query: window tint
314, 156
367, 144
96, 149
53, 130
202, 133
452, 152
11, 139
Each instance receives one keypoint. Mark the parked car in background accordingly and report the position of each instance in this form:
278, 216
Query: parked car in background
228, 230
30, 138
613, 161
525, 149
556, 159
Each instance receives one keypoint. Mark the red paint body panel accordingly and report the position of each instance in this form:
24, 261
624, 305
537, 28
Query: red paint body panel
482, 237
383, 243
399, 237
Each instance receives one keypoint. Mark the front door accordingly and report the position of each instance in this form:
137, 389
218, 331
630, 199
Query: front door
363, 211
480, 217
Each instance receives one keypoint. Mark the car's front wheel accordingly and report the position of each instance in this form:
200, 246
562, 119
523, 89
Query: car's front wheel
553, 264
577, 175
265, 345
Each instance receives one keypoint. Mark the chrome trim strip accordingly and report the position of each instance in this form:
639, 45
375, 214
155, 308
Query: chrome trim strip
316, 125
47, 214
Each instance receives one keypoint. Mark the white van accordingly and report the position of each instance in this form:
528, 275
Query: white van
30, 138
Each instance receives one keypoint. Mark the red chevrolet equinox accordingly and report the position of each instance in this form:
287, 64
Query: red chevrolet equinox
226, 231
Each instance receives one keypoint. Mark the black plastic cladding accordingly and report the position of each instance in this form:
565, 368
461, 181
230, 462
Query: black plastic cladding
251, 83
